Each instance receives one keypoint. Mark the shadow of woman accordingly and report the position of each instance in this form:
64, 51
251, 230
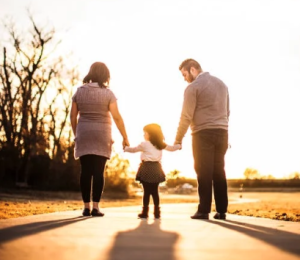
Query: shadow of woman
18, 231
145, 242
284, 240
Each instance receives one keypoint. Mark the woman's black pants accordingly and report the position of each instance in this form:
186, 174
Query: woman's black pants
150, 189
92, 171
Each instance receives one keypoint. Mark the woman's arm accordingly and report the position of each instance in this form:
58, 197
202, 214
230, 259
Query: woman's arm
73, 117
113, 108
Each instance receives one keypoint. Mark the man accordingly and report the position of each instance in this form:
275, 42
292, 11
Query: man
206, 111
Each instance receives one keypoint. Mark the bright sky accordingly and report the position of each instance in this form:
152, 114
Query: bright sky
253, 46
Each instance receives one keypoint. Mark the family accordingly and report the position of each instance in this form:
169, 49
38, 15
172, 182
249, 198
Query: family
205, 110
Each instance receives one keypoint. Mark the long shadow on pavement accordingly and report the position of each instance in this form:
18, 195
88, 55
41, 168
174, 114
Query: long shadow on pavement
11, 233
283, 240
146, 242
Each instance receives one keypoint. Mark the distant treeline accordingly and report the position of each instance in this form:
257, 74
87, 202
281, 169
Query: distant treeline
242, 183
263, 183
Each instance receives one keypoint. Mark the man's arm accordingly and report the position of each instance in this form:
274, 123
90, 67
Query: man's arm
187, 113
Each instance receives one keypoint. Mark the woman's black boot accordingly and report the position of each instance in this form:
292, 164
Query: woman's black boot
144, 213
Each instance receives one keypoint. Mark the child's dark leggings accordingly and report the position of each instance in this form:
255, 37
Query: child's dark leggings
150, 189
92, 170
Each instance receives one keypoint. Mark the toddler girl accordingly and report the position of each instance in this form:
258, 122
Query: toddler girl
150, 172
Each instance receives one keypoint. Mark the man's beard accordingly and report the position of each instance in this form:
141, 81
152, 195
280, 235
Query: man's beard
190, 78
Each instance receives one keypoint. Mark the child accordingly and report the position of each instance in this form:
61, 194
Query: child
150, 172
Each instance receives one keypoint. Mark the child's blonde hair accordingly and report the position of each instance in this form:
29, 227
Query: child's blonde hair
156, 136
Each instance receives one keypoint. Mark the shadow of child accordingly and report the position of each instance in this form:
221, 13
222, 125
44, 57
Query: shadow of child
146, 242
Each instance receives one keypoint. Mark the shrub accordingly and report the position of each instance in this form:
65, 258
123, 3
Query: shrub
117, 175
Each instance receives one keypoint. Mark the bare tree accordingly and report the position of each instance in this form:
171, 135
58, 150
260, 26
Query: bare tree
35, 89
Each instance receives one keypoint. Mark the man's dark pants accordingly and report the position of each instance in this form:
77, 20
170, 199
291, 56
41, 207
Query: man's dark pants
209, 149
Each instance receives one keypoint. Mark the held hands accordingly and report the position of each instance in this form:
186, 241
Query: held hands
125, 143
178, 142
178, 146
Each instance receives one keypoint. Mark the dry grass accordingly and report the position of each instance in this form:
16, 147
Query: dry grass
20, 203
274, 205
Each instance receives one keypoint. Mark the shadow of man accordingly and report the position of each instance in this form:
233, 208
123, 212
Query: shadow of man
147, 242
284, 240
18, 231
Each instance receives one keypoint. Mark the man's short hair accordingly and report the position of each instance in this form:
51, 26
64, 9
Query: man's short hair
188, 63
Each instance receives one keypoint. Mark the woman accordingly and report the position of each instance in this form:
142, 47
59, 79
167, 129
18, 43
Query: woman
95, 104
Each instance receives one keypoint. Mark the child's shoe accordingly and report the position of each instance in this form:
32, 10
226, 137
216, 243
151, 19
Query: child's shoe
97, 213
156, 211
86, 212
144, 213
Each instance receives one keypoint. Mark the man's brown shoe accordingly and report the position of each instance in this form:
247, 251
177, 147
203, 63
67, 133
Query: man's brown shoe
220, 216
199, 215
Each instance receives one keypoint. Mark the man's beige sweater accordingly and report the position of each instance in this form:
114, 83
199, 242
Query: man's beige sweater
205, 106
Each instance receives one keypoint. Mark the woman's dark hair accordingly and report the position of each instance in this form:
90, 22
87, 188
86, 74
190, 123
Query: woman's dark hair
156, 136
98, 73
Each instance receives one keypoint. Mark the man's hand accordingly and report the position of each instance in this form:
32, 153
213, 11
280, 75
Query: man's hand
178, 142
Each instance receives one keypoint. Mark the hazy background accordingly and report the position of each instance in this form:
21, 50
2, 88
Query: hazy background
253, 46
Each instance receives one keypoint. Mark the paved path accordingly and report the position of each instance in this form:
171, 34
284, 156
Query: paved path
121, 236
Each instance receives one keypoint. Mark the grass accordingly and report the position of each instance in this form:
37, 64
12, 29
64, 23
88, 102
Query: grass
20, 203
274, 205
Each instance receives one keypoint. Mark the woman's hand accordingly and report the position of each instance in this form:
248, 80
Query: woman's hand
125, 143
